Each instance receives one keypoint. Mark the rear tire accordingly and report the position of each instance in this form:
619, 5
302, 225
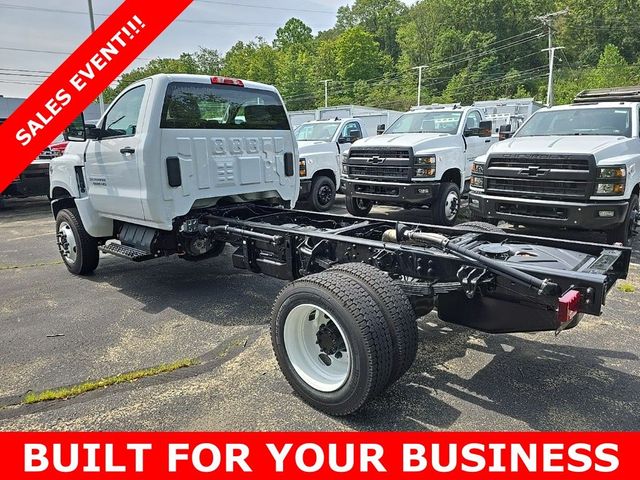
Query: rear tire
479, 227
332, 342
625, 231
396, 308
358, 207
78, 249
323, 193
447, 205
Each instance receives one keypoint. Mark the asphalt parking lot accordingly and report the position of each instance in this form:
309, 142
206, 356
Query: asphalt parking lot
59, 330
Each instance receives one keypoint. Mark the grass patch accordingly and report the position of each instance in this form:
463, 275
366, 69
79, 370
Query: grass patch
626, 287
75, 390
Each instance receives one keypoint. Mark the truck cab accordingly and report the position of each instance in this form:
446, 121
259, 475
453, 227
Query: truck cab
321, 144
422, 160
168, 147
573, 166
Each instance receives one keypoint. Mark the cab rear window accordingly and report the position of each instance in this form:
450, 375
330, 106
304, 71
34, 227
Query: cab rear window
203, 106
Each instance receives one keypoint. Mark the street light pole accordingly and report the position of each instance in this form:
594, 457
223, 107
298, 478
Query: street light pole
419, 82
93, 29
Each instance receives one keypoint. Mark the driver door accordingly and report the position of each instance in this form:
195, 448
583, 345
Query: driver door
113, 174
476, 145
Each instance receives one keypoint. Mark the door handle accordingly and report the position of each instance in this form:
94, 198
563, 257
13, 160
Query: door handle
487, 140
127, 150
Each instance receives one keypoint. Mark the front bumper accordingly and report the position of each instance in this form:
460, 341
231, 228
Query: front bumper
34, 181
392, 193
584, 216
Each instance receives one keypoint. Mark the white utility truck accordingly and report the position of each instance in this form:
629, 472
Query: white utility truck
572, 166
422, 160
321, 144
186, 164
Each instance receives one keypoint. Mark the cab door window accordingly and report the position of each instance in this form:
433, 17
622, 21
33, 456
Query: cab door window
352, 131
122, 118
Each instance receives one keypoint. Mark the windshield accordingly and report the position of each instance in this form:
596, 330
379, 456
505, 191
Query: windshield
426, 122
578, 121
316, 132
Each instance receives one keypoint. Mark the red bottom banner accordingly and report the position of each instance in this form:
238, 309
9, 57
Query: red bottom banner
319, 455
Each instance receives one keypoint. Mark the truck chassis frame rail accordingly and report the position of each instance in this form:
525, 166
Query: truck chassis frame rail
489, 280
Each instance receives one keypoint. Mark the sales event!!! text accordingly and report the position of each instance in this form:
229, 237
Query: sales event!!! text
78, 82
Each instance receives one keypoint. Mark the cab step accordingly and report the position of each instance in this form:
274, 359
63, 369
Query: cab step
125, 251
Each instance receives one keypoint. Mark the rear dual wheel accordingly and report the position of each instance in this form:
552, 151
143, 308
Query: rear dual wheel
338, 341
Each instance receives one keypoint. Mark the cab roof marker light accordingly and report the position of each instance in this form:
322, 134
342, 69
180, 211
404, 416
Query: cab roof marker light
227, 81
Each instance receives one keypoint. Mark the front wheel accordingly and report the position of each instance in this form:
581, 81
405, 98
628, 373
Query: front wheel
358, 207
323, 194
627, 229
78, 249
447, 205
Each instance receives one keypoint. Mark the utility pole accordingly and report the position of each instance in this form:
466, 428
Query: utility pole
326, 92
547, 20
552, 55
419, 81
93, 29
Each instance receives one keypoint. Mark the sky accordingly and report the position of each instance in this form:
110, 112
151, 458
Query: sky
58, 26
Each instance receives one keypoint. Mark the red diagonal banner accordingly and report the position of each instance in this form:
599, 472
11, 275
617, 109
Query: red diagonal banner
80, 80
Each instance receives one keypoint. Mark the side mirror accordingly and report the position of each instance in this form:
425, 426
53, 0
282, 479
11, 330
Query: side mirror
76, 132
381, 128
344, 140
504, 132
485, 129
93, 132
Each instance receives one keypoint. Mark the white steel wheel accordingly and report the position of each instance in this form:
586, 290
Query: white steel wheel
67, 243
451, 205
78, 249
317, 347
332, 342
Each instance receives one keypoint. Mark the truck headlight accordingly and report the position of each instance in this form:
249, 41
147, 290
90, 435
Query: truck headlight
477, 182
303, 167
345, 169
613, 181
610, 188
426, 160
425, 166
477, 168
612, 172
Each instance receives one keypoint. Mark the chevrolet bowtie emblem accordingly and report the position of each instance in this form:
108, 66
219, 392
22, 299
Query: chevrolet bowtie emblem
375, 160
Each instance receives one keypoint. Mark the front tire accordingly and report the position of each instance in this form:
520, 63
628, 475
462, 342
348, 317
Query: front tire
332, 342
447, 205
78, 249
323, 194
358, 207
627, 229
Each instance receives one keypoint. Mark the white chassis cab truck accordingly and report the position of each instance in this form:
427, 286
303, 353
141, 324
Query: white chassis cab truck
321, 144
422, 160
186, 164
572, 166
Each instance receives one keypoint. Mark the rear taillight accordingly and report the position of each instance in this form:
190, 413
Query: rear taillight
568, 306
227, 81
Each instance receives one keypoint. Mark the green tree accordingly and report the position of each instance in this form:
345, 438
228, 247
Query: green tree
294, 34
381, 18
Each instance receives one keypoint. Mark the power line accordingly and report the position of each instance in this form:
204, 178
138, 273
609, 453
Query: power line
182, 20
234, 4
